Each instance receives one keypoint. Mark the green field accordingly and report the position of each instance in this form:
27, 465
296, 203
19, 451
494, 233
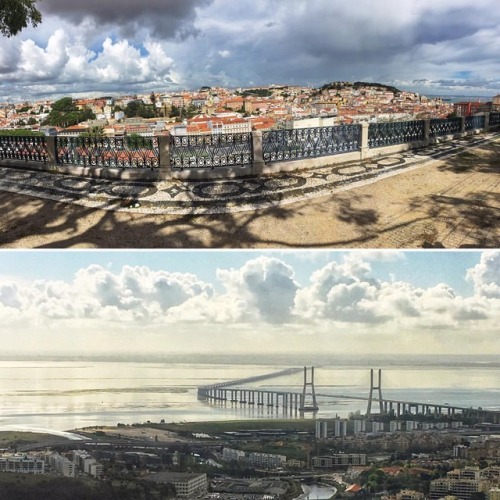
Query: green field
9, 439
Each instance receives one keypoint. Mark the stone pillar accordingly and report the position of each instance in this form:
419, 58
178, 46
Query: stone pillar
462, 126
486, 122
51, 149
427, 132
364, 141
165, 169
258, 153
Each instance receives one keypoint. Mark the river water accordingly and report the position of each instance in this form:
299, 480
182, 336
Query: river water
69, 393
317, 492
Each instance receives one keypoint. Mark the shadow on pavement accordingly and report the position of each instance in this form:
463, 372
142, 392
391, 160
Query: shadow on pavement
469, 207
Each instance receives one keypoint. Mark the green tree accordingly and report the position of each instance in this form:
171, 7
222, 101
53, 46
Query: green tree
65, 113
96, 132
15, 15
65, 105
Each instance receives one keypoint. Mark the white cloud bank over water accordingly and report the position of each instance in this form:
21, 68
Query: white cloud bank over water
344, 305
434, 46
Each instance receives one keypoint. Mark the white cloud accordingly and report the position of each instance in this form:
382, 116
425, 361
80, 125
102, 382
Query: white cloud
430, 45
66, 65
342, 302
265, 284
486, 275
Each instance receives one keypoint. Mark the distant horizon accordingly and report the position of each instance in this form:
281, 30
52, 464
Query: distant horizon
291, 302
283, 358
101, 95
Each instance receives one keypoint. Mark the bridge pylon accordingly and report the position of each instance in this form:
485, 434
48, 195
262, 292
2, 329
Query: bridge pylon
308, 400
377, 387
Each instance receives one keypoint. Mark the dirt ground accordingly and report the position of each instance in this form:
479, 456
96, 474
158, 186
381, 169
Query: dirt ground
139, 433
452, 203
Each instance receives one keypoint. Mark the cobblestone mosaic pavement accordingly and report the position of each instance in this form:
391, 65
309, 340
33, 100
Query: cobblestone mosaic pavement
224, 196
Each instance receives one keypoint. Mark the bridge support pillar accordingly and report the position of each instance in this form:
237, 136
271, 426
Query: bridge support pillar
377, 387
308, 400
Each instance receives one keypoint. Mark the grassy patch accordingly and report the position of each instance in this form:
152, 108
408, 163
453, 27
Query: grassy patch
15, 438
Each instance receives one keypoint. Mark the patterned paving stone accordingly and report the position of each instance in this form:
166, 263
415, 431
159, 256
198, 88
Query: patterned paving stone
219, 196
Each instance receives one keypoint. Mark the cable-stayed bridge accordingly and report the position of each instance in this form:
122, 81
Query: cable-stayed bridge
307, 400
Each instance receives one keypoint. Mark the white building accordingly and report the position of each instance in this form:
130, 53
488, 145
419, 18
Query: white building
395, 425
186, 485
493, 494
62, 465
232, 455
340, 427
315, 122
411, 425
22, 464
359, 426
321, 429
266, 460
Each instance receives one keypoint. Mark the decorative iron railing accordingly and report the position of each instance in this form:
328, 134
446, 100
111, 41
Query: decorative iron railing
294, 144
446, 126
494, 119
474, 122
132, 152
28, 148
220, 150
391, 133
210, 151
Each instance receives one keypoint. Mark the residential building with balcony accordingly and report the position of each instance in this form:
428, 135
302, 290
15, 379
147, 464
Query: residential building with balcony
22, 464
338, 460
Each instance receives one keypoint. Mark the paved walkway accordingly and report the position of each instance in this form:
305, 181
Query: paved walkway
223, 196
447, 195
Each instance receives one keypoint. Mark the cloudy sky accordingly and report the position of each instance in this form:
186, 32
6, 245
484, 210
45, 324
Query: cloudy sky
237, 301
126, 46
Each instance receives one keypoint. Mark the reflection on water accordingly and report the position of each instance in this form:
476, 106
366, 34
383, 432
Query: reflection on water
317, 492
66, 394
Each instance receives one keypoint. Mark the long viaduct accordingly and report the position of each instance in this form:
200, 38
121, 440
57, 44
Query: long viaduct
306, 400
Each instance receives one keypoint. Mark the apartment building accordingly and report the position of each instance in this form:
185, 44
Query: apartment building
266, 460
410, 495
338, 460
186, 485
22, 464
62, 465
321, 429
232, 455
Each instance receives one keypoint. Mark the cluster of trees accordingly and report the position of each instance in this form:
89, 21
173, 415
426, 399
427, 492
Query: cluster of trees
18, 132
64, 113
138, 108
376, 480
19, 487
380, 86
255, 93
355, 86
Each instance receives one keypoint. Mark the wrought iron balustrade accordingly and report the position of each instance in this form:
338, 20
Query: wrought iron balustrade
211, 150
474, 122
494, 119
131, 152
27, 148
445, 126
295, 144
391, 133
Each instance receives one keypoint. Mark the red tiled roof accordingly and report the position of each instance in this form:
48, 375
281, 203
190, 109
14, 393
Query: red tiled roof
354, 488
